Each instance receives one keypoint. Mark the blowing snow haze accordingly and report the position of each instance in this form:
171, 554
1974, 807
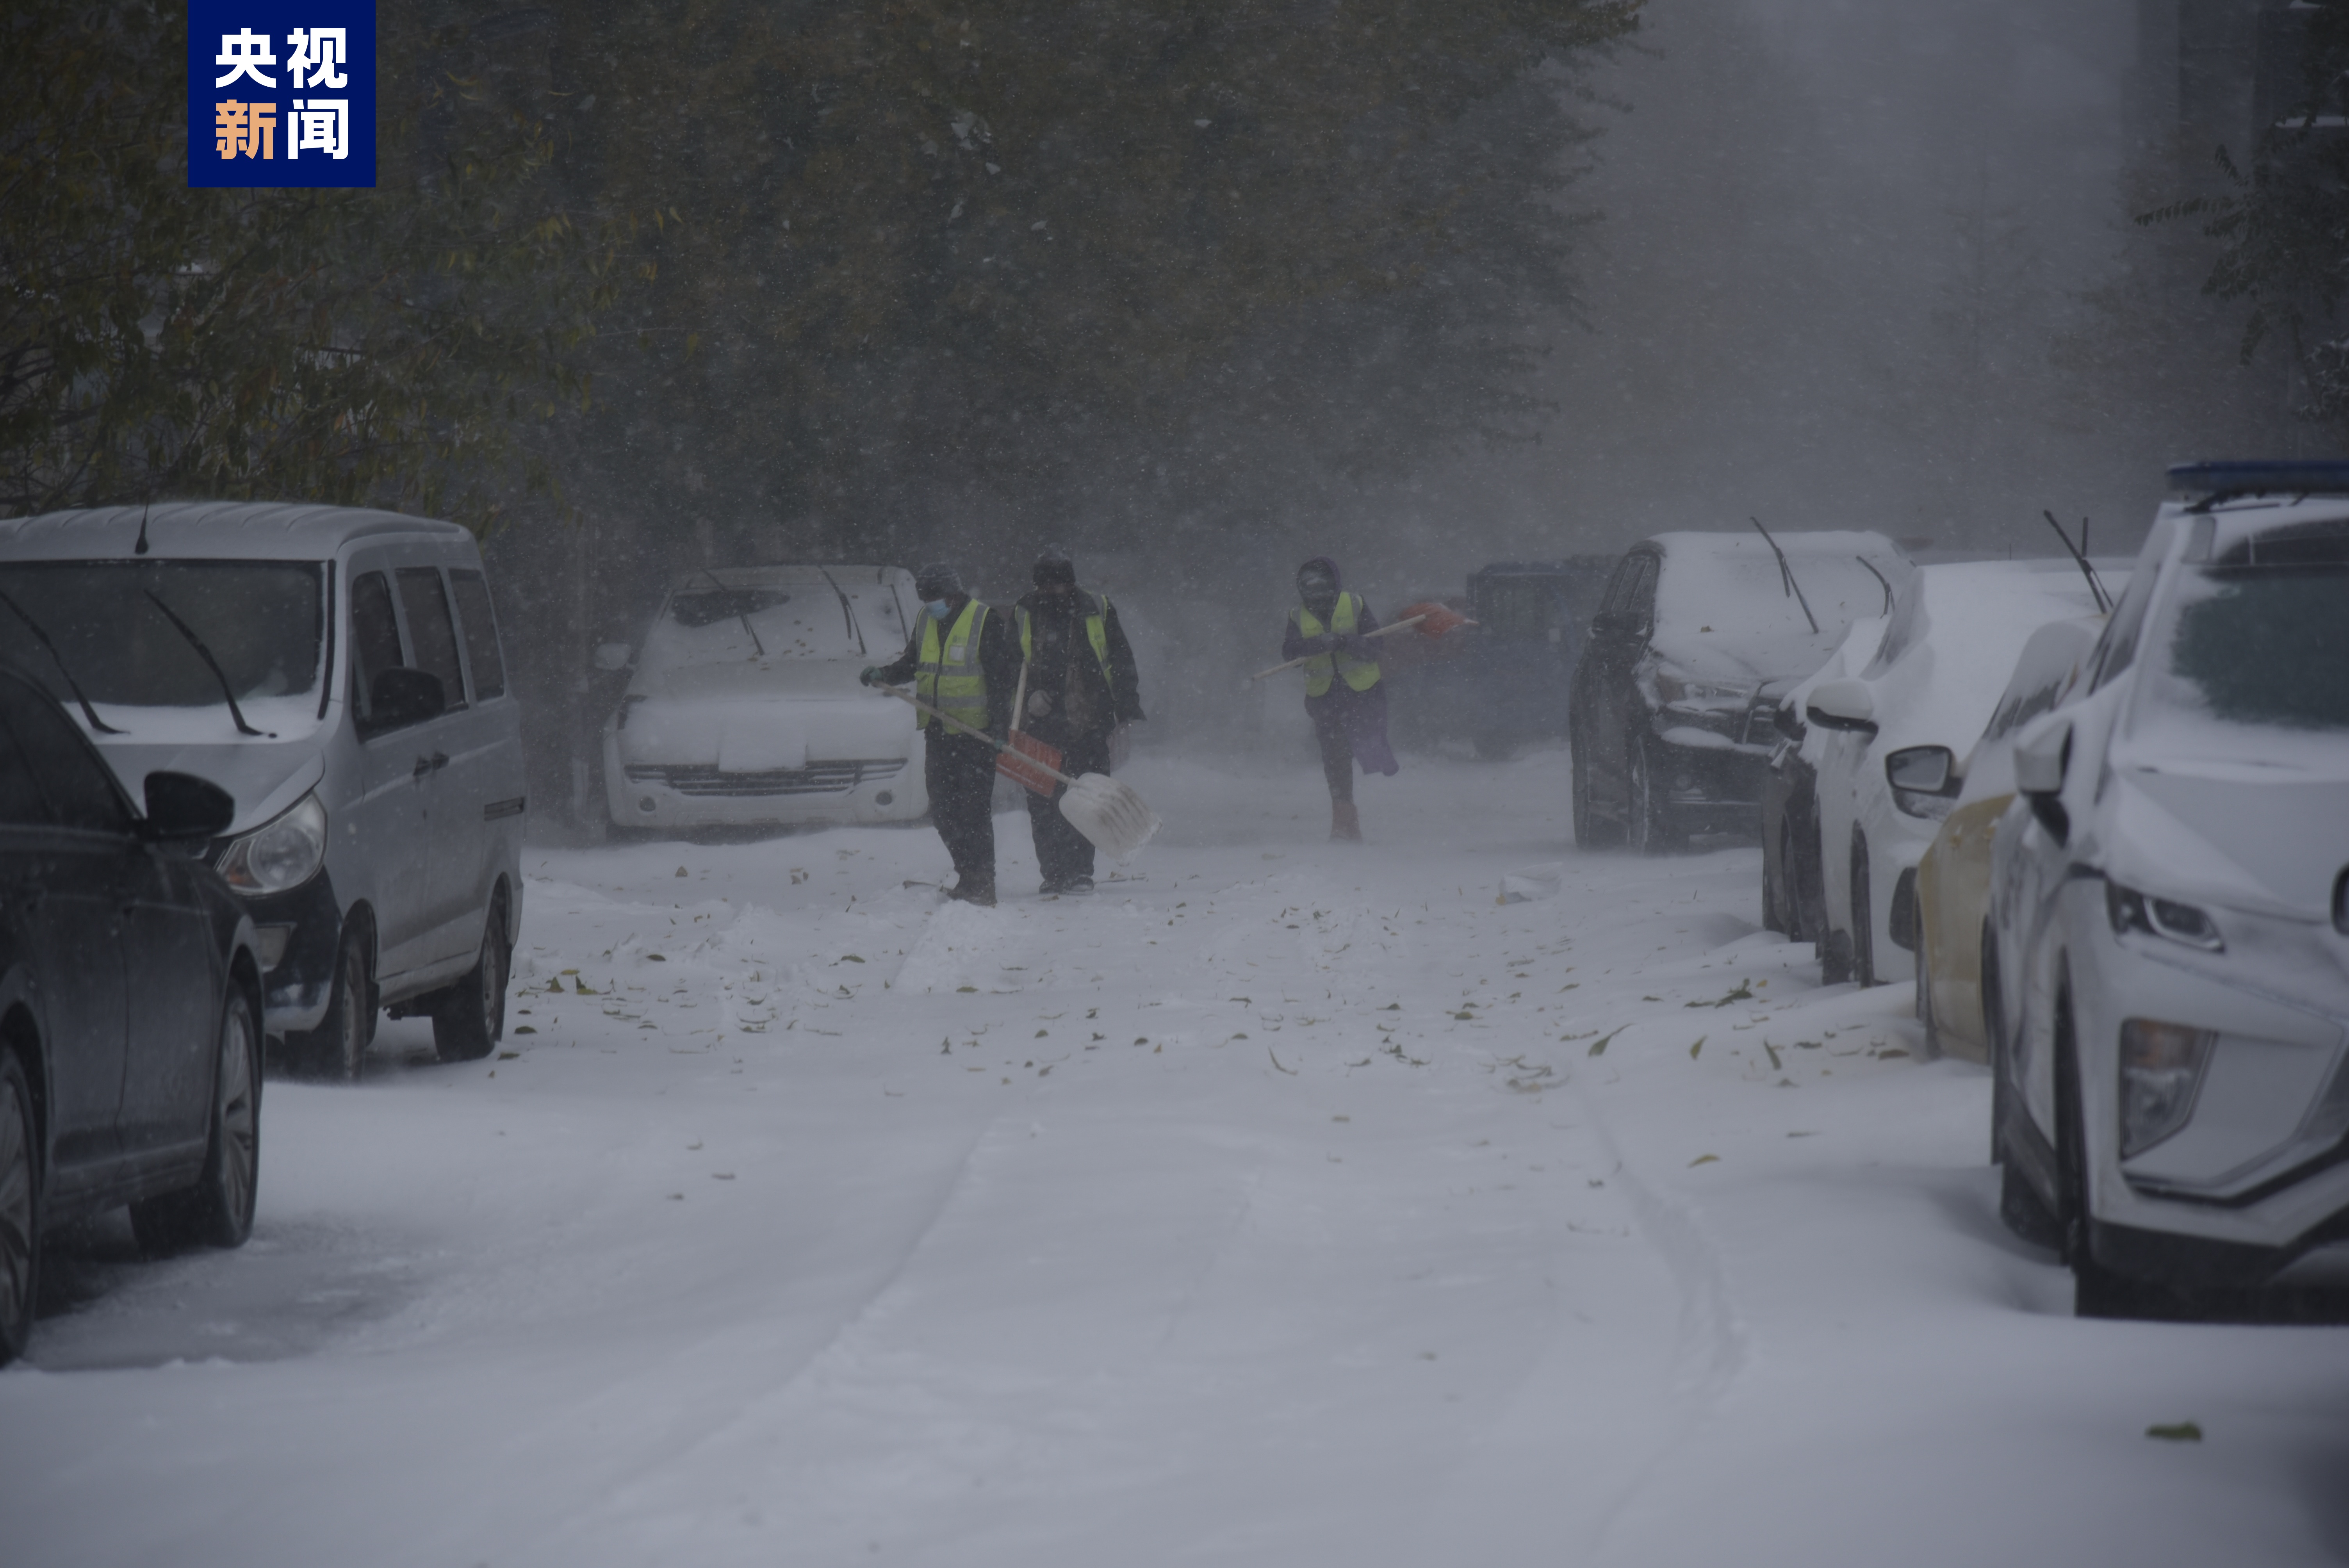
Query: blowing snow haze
1115, 783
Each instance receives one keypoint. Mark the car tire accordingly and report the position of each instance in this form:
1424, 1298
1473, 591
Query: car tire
1994, 1044
1863, 914
1649, 821
336, 1050
469, 1017
1591, 831
1789, 887
20, 1209
217, 1211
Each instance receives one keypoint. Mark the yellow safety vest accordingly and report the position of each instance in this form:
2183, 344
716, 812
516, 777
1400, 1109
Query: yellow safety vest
1096, 633
950, 679
1360, 674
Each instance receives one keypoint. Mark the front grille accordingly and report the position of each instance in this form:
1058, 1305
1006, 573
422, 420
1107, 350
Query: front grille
817, 779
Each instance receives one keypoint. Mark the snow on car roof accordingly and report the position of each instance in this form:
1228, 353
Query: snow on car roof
208, 530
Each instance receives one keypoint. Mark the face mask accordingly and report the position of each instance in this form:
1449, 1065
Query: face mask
937, 607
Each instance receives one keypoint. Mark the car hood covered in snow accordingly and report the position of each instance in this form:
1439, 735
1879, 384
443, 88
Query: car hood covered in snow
2269, 837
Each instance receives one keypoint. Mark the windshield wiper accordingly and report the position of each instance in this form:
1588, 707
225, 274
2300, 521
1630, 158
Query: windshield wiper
2080, 553
1787, 572
741, 615
849, 616
72, 685
228, 693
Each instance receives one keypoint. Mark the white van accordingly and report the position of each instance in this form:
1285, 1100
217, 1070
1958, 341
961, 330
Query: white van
338, 670
743, 708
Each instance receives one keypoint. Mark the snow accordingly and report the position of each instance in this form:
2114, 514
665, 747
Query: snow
1282, 1203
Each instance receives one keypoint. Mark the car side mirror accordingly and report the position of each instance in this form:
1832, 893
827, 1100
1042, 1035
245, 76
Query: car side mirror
182, 806
612, 656
1926, 770
403, 695
2042, 756
1846, 704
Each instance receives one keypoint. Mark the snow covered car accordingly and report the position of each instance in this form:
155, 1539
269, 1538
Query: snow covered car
1887, 763
1672, 719
1953, 875
338, 670
743, 709
1793, 902
2171, 908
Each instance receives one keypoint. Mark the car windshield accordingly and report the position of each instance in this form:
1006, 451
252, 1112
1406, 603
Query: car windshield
263, 621
2260, 638
1745, 594
796, 615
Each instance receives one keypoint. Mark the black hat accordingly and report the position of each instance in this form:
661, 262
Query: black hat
1053, 566
937, 580
1318, 578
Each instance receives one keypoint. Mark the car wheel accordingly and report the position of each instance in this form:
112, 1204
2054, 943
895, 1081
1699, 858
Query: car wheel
1591, 831
1650, 830
20, 1209
1993, 1038
1863, 914
217, 1211
336, 1049
1928, 1037
469, 1016
1783, 897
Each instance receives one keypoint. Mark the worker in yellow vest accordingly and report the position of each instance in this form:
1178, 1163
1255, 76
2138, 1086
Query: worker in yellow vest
1344, 695
1082, 689
963, 661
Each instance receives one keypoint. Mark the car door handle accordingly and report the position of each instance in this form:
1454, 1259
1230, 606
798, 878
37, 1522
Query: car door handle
432, 764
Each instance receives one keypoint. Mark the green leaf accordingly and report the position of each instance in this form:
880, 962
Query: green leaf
2176, 1432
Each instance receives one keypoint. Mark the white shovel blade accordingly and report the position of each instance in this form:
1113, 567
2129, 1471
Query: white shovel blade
1117, 820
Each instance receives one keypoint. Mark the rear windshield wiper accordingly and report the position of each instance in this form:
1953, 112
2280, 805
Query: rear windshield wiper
849, 614
743, 617
227, 692
1787, 572
72, 685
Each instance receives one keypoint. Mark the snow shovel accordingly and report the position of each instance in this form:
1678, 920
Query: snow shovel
1439, 620
1117, 820
1029, 762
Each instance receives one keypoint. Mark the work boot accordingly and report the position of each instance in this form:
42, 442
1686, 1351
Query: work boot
1345, 823
967, 891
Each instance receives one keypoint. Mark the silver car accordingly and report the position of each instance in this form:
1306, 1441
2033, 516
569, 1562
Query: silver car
338, 672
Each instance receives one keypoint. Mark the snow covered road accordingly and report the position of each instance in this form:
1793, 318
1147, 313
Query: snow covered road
1283, 1202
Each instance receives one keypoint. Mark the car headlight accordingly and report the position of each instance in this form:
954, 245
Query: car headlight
1682, 692
2161, 1070
282, 853
2131, 911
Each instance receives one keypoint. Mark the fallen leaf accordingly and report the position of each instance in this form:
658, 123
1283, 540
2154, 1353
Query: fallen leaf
2176, 1432
1704, 1159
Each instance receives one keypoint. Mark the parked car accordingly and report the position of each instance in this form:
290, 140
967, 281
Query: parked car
130, 1005
1888, 761
743, 708
1793, 902
1953, 876
338, 672
1698, 637
1503, 683
2171, 908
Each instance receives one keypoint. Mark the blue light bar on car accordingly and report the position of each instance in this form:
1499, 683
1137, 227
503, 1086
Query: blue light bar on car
2279, 477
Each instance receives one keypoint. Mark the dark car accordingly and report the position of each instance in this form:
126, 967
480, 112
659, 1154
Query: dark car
1501, 683
1699, 637
130, 1005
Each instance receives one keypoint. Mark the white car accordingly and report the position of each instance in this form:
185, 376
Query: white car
1885, 767
743, 708
2170, 909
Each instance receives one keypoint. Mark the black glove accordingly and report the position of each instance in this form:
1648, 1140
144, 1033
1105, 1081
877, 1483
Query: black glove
1320, 644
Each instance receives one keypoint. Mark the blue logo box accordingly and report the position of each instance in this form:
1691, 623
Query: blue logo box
281, 93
